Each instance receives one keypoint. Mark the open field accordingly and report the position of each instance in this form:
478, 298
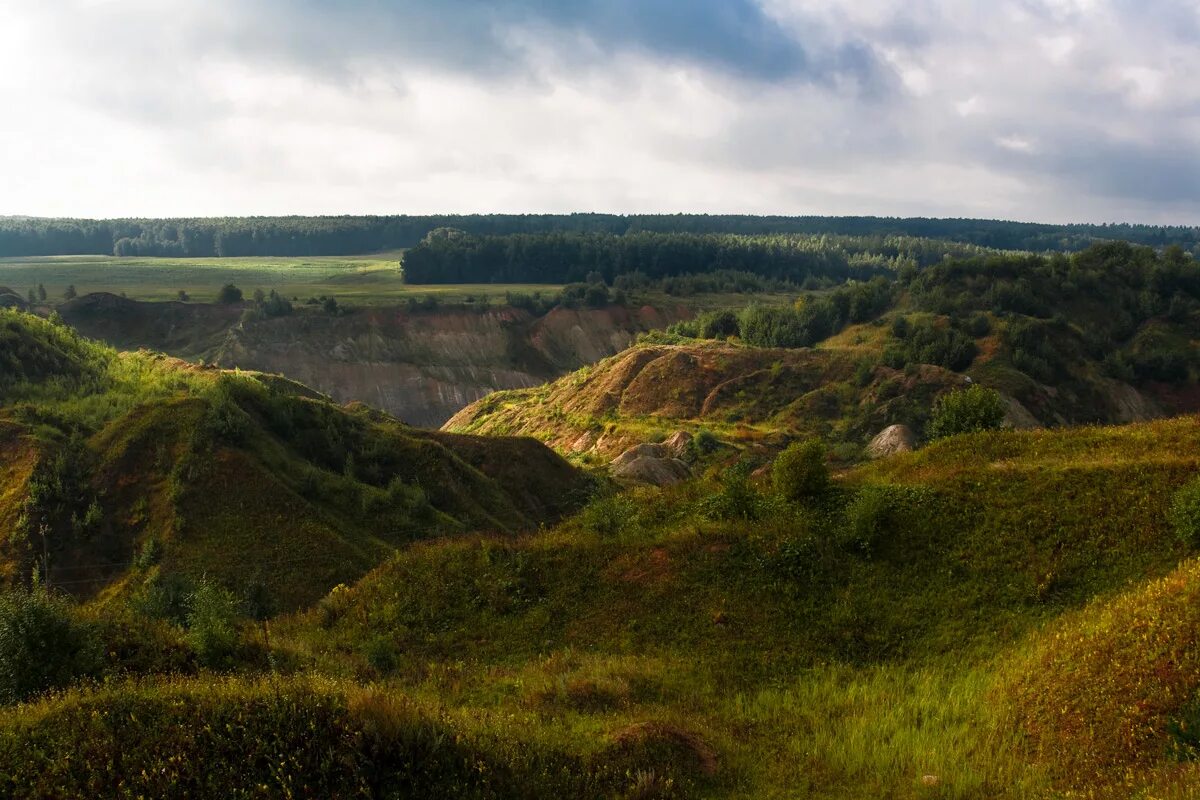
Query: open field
356, 279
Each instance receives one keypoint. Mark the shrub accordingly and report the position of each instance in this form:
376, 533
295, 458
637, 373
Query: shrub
609, 516
702, 444
718, 325
229, 294
1184, 513
164, 596
871, 519
212, 624
382, 655
966, 411
800, 473
737, 500
42, 645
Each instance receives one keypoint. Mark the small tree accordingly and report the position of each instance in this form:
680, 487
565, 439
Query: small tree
330, 305
32, 297
70, 293
42, 292
800, 473
1184, 513
966, 411
42, 645
229, 294
212, 624
259, 296
182, 296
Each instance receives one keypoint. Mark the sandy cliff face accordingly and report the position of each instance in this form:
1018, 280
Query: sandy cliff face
421, 366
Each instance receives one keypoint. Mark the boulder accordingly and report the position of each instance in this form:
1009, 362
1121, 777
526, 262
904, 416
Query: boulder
892, 439
584, 443
651, 470
639, 451
677, 444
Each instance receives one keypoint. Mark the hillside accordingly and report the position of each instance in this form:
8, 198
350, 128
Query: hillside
915, 632
131, 472
1117, 346
421, 365
1005, 614
742, 394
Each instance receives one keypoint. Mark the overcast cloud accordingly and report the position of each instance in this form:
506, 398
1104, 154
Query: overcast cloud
1059, 110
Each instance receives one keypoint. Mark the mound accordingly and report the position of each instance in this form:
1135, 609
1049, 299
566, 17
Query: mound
183, 329
284, 738
136, 473
1101, 691
11, 299
744, 393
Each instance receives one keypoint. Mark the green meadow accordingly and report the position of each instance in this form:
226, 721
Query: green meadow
359, 280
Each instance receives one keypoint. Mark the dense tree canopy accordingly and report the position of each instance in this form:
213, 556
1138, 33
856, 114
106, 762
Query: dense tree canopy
305, 236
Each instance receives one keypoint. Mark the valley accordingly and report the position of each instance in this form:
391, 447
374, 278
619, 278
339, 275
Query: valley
925, 533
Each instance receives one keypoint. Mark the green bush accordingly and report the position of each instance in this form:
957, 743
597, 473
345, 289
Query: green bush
212, 624
229, 294
609, 516
800, 473
382, 655
42, 645
737, 500
1184, 513
702, 444
871, 519
966, 411
717, 324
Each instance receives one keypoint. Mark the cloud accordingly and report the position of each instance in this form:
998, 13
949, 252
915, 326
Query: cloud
1053, 109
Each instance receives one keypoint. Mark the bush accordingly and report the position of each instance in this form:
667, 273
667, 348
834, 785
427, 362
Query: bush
717, 325
42, 645
871, 519
229, 294
702, 444
609, 516
382, 655
1184, 513
212, 624
800, 473
737, 500
966, 411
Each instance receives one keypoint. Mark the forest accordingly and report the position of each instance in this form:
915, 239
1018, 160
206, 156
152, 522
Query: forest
346, 235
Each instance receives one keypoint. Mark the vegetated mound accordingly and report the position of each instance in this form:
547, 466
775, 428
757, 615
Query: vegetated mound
1113, 691
1104, 336
186, 330
11, 299
742, 393
143, 474
963, 545
419, 363
298, 738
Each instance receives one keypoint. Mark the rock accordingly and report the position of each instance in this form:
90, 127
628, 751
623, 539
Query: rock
585, 442
1017, 415
651, 470
639, 451
677, 444
892, 439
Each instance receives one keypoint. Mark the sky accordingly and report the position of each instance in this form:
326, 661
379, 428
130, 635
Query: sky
1045, 110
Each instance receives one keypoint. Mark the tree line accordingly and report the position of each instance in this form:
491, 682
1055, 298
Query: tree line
344, 235
451, 255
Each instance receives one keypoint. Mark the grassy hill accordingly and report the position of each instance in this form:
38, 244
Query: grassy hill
124, 472
1005, 614
998, 615
1105, 336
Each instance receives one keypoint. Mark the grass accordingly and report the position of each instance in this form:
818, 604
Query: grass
1019, 619
358, 280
